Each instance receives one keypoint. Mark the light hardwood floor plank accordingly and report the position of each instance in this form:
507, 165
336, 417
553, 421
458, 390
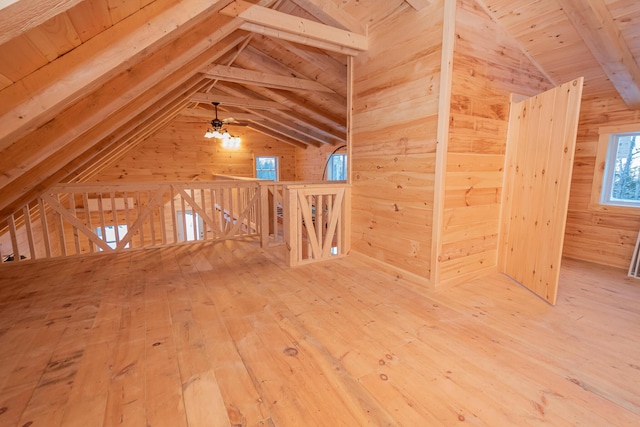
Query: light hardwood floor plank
225, 334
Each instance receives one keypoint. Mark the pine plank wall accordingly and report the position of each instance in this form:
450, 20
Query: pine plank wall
394, 140
485, 73
180, 152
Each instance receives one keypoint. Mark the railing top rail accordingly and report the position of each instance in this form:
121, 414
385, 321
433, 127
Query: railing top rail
97, 187
297, 185
221, 177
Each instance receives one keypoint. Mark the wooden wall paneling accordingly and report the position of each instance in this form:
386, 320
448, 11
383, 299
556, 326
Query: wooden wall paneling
540, 170
602, 237
488, 65
180, 152
395, 110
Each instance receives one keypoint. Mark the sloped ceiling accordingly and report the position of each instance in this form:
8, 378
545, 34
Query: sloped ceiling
83, 82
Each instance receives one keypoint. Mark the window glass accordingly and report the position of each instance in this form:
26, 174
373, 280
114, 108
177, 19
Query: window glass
267, 167
621, 180
337, 167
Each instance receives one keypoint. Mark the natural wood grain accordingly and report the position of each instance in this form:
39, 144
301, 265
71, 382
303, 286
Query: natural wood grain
224, 334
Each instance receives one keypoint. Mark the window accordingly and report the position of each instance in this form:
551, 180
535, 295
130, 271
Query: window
111, 235
616, 182
194, 226
621, 181
337, 167
267, 167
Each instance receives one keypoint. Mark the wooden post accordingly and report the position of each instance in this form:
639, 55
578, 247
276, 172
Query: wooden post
264, 215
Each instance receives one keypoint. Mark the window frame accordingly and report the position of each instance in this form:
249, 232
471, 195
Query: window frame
277, 166
330, 166
603, 150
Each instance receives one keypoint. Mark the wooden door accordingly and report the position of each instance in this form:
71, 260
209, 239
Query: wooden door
539, 160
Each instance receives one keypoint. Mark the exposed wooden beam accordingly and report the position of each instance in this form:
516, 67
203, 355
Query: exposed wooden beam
326, 66
274, 23
596, 26
150, 74
330, 104
257, 78
280, 137
34, 160
42, 95
329, 13
233, 101
138, 132
287, 132
298, 113
277, 34
418, 4
19, 16
121, 141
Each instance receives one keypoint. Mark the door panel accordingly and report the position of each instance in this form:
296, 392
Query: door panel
539, 161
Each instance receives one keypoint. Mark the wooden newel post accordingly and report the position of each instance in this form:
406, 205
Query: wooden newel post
264, 214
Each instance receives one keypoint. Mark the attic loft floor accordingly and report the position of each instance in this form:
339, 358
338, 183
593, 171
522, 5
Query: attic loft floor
223, 334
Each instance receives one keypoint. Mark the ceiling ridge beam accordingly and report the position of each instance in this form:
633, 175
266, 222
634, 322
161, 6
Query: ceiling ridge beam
596, 26
272, 22
258, 78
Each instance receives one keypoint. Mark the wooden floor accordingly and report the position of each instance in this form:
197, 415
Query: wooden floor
223, 334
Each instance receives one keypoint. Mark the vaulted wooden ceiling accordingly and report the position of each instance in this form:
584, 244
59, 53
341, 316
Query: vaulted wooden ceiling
83, 82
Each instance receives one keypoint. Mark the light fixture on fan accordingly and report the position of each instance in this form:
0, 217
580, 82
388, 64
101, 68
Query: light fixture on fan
216, 131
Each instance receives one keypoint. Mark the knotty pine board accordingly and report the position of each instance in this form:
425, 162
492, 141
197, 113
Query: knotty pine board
597, 236
181, 153
487, 67
395, 112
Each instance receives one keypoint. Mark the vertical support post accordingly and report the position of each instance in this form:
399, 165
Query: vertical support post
264, 214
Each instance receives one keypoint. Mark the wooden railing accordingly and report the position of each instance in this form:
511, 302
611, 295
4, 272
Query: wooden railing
311, 219
272, 212
85, 218
316, 221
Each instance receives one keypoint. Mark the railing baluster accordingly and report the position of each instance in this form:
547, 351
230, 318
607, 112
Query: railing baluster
27, 223
87, 214
45, 228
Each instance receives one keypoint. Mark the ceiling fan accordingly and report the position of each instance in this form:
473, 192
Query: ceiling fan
217, 131
217, 123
